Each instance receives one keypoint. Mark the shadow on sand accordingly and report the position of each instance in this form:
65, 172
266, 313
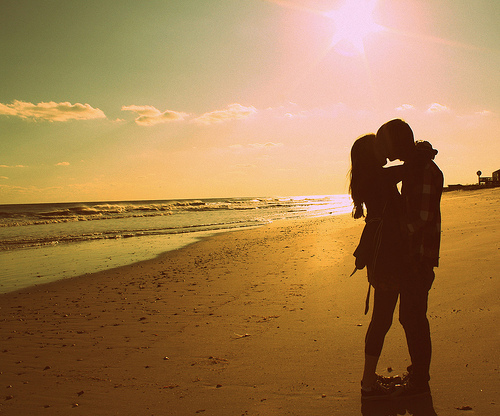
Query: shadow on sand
419, 406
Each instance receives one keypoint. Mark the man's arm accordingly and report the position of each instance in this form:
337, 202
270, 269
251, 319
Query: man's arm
429, 195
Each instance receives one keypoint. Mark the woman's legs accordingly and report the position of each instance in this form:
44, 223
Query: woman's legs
383, 310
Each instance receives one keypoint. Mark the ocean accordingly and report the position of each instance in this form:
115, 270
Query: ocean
40, 243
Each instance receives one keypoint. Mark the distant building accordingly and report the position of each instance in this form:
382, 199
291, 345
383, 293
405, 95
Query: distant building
496, 176
493, 180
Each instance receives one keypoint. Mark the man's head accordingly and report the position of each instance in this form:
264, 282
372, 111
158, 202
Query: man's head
395, 140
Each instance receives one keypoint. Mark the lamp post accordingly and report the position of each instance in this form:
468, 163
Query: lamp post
479, 173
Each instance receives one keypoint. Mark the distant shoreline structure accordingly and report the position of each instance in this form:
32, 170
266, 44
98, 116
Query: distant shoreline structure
470, 187
484, 182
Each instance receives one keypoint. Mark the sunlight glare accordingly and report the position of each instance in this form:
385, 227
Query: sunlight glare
353, 22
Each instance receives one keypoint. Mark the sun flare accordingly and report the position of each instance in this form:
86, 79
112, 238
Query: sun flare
353, 22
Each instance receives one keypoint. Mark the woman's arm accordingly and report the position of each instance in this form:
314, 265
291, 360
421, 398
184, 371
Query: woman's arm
394, 174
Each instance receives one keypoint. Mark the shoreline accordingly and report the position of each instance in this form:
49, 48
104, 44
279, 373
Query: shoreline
77, 249
196, 238
261, 321
52, 264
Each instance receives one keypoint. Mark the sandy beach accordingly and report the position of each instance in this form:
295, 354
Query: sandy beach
264, 321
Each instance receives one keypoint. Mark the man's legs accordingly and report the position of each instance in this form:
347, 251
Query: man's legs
413, 317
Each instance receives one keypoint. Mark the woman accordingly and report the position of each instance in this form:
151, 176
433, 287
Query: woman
374, 188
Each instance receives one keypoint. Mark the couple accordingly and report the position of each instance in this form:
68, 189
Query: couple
399, 246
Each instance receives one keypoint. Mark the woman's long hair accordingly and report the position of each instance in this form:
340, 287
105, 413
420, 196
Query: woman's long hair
364, 170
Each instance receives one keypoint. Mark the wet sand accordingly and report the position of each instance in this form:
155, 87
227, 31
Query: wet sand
256, 322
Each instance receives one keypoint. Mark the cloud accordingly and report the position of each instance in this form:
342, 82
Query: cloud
63, 164
302, 114
293, 112
435, 108
30, 190
149, 115
258, 146
232, 112
268, 145
7, 110
51, 111
405, 107
4, 177
484, 113
16, 166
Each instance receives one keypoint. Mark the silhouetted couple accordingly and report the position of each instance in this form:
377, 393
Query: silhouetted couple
399, 247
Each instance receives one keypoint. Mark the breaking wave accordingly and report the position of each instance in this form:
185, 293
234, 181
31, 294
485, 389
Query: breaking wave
35, 225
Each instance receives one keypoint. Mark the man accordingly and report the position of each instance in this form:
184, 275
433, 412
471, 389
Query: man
421, 191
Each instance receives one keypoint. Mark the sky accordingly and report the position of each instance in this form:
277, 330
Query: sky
113, 100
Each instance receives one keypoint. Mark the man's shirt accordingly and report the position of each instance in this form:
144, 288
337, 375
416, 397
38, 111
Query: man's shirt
422, 189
